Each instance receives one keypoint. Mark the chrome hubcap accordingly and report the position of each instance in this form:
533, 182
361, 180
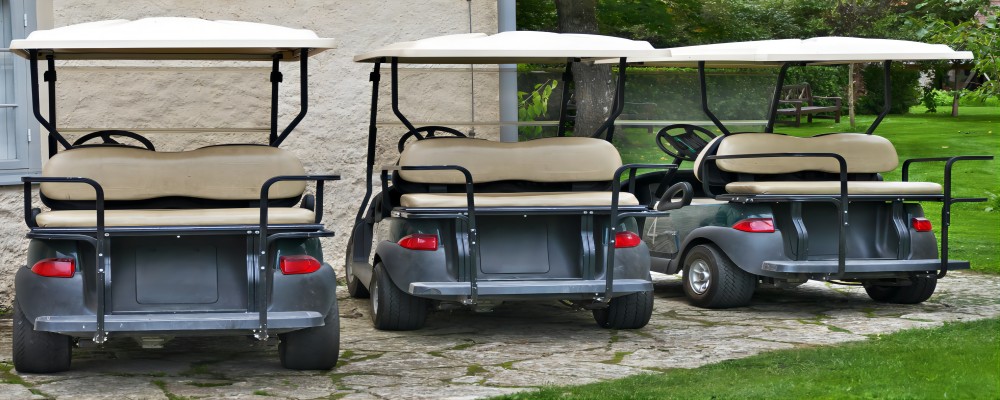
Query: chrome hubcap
374, 297
699, 276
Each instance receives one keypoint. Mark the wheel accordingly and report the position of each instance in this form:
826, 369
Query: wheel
38, 352
355, 288
711, 280
391, 308
316, 348
106, 138
919, 291
626, 312
431, 133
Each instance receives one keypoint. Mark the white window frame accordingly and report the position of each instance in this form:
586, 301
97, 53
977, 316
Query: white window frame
27, 137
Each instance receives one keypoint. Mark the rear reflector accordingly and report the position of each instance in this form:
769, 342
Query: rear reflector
419, 241
758, 225
922, 224
626, 239
299, 264
55, 267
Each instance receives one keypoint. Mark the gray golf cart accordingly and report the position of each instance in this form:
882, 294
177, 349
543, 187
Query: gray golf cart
138, 243
773, 210
464, 222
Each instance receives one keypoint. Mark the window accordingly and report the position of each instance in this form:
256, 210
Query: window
19, 136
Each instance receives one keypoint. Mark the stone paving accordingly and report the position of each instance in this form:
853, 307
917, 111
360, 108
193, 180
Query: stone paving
519, 346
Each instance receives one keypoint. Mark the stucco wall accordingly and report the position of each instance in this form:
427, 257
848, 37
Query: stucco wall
164, 101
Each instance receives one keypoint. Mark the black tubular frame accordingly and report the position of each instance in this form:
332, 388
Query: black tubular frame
470, 216
98, 240
948, 199
374, 77
841, 201
101, 234
615, 218
55, 138
394, 82
266, 271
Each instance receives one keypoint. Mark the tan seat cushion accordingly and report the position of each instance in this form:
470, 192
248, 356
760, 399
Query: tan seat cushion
833, 187
217, 173
863, 153
194, 217
555, 159
526, 199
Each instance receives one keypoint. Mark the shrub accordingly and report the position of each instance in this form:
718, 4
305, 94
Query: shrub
904, 89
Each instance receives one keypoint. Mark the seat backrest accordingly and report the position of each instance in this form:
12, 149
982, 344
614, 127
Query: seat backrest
556, 159
231, 172
863, 153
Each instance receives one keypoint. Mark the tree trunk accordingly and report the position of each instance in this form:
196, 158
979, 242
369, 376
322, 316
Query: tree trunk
851, 92
593, 87
954, 99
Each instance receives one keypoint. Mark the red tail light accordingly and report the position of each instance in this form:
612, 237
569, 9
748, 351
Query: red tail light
300, 264
419, 241
626, 239
757, 225
55, 267
922, 224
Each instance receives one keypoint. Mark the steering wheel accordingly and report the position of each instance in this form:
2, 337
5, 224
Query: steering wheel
431, 131
107, 134
683, 141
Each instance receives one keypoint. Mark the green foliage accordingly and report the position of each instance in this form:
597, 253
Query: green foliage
904, 83
957, 360
929, 100
532, 105
983, 40
824, 81
966, 99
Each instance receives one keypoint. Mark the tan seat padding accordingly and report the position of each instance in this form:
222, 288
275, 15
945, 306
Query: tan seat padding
556, 159
217, 173
194, 217
833, 188
863, 153
524, 199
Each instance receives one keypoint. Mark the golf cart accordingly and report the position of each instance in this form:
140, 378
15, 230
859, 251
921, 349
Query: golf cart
153, 245
774, 210
465, 222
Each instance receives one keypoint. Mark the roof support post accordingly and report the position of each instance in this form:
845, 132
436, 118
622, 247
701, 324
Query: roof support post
276, 79
617, 104
374, 77
36, 108
886, 98
394, 81
303, 97
567, 77
703, 85
773, 111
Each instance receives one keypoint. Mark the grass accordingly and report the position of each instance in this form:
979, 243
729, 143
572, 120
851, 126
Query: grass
957, 360
974, 232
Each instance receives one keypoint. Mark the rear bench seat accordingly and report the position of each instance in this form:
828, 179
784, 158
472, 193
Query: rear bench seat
229, 175
866, 155
557, 160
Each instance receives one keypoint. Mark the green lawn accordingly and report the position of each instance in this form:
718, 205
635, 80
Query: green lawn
975, 232
960, 360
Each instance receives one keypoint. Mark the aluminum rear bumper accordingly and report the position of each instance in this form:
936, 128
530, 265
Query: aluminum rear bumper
570, 288
178, 323
860, 266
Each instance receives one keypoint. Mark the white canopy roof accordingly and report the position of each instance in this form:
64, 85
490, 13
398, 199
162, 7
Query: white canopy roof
511, 47
171, 38
820, 50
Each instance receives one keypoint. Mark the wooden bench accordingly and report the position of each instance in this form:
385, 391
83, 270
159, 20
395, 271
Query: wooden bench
802, 102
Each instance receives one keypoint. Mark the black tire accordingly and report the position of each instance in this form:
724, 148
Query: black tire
631, 311
920, 289
316, 348
391, 308
39, 352
723, 284
355, 288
